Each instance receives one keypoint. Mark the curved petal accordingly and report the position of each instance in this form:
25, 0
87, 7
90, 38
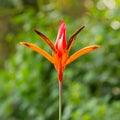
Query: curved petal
39, 50
70, 42
46, 40
82, 52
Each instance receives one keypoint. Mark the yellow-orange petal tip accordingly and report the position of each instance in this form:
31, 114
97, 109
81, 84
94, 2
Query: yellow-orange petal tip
96, 47
25, 44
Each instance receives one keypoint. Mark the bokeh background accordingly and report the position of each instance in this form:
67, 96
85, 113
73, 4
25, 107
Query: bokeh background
28, 82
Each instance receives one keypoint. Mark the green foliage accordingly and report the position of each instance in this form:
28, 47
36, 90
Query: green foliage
28, 82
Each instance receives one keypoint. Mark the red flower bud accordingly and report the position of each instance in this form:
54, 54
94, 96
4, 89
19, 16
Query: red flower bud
61, 42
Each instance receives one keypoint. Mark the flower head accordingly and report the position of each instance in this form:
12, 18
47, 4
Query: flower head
60, 50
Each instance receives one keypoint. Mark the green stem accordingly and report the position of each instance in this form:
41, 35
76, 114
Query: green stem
60, 75
60, 100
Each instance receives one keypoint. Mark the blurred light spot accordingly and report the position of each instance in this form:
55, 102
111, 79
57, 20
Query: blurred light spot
100, 5
116, 91
88, 4
115, 25
109, 3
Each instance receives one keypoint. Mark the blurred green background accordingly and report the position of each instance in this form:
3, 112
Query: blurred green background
28, 82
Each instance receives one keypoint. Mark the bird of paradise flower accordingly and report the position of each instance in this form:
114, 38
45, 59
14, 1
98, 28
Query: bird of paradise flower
60, 53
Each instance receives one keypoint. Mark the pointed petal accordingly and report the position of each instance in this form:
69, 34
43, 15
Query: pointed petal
46, 40
39, 50
82, 52
70, 42
62, 30
61, 42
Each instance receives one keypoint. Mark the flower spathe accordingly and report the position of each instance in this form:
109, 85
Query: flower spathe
60, 50
61, 42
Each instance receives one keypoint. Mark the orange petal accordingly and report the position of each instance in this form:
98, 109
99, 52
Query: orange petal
70, 42
46, 40
82, 52
39, 50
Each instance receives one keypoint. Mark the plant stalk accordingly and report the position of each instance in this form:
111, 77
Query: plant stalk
60, 76
60, 100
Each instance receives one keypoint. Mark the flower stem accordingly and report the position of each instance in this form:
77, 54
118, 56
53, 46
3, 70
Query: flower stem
60, 76
60, 100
